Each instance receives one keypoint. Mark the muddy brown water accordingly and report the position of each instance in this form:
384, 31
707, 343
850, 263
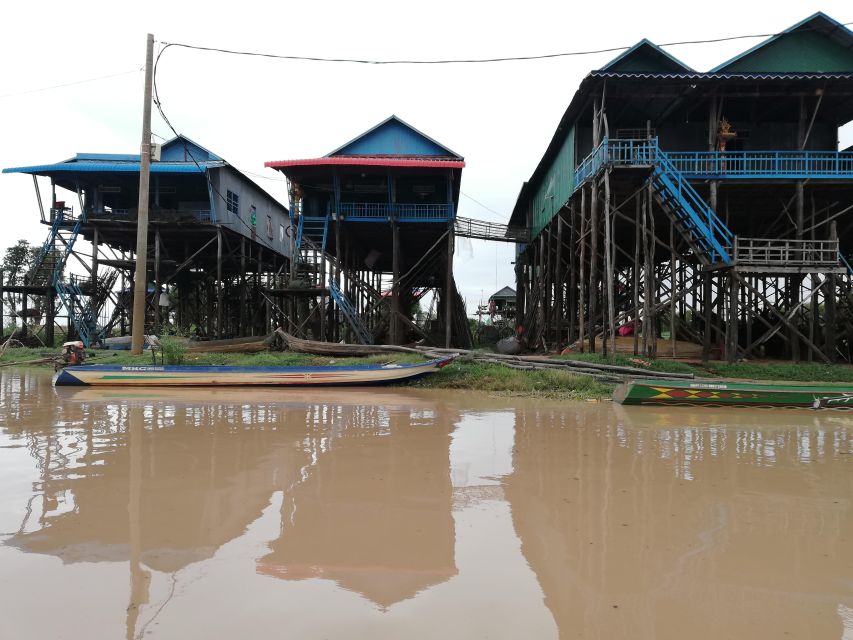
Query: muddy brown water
416, 514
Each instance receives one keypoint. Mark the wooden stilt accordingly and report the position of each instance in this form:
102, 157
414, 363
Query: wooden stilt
673, 309
582, 269
220, 288
571, 292
450, 291
395, 287
609, 265
636, 271
593, 264
831, 294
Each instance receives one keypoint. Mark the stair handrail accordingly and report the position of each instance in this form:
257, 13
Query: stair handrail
350, 313
713, 229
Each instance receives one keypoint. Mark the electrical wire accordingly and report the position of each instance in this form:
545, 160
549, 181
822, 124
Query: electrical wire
70, 84
157, 102
497, 213
546, 56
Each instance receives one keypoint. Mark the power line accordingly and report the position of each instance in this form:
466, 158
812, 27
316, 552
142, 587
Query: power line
502, 215
564, 54
255, 236
70, 84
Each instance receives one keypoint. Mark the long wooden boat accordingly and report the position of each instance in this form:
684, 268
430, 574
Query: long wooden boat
206, 376
729, 393
337, 349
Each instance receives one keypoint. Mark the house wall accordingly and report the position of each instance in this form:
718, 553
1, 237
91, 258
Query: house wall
556, 185
226, 179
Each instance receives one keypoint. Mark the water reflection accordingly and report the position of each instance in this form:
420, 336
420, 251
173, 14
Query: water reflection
406, 513
649, 523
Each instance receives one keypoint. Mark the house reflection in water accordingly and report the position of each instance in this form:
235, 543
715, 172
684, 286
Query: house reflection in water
375, 515
650, 523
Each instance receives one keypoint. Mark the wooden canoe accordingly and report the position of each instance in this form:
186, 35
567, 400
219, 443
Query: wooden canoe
338, 349
208, 376
728, 393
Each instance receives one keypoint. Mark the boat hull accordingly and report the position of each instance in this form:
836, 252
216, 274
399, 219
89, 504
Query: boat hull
726, 393
201, 376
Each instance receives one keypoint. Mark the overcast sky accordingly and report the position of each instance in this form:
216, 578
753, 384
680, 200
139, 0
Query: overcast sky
250, 110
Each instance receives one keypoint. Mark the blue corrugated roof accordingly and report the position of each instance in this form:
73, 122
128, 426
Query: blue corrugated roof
108, 157
113, 167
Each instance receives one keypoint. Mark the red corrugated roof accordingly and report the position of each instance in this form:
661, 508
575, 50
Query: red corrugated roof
368, 162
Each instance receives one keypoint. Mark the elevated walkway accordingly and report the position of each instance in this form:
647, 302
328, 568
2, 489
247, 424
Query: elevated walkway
495, 231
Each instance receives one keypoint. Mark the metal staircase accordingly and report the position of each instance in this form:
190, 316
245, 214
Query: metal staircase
315, 229
710, 239
79, 310
49, 268
351, 315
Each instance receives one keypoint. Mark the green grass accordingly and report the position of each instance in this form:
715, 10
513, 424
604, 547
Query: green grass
802, 372
492, 378
24, 353
496, 378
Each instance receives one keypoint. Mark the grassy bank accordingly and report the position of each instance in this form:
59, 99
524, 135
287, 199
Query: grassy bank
796, 372
480, 376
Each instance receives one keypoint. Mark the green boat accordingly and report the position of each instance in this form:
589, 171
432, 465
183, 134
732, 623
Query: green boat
736, 394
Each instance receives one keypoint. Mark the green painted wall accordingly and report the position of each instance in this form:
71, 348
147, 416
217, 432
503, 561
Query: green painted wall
556, 186
799, 51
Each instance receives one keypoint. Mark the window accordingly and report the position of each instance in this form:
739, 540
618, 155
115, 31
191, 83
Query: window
232, 202
281, 233
269, 227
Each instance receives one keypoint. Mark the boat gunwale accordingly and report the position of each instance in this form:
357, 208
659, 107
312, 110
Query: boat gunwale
184, 368
777, 386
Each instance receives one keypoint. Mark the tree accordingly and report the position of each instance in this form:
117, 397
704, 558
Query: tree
17, 260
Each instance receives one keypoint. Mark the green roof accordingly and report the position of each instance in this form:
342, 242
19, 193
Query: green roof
645, 56
817, 44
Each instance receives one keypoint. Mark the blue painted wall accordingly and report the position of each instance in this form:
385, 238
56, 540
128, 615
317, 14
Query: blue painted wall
392, 139
177, 151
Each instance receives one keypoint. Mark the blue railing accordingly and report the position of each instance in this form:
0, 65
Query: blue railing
800, 165
361, 331
399, 211
719, 165
712, 235
591, 164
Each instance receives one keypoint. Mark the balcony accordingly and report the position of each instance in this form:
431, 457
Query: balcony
376, 212
787, 255
763, 165
718, 165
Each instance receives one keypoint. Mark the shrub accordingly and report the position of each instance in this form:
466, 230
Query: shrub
173, 350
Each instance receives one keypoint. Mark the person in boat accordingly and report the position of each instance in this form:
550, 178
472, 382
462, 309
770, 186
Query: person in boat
73, 353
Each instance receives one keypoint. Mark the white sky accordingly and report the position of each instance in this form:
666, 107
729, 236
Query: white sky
499, 116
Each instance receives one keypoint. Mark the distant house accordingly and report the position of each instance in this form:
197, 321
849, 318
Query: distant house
189, 184
210, 228
503, 303
382, 206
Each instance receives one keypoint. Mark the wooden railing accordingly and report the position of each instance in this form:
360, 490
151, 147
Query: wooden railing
786, 253
484, 230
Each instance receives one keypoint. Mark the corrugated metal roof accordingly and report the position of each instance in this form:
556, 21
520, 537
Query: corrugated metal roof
354, 161
113, 167
394, 118
698, 75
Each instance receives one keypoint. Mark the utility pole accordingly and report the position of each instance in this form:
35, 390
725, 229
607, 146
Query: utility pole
140, 281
